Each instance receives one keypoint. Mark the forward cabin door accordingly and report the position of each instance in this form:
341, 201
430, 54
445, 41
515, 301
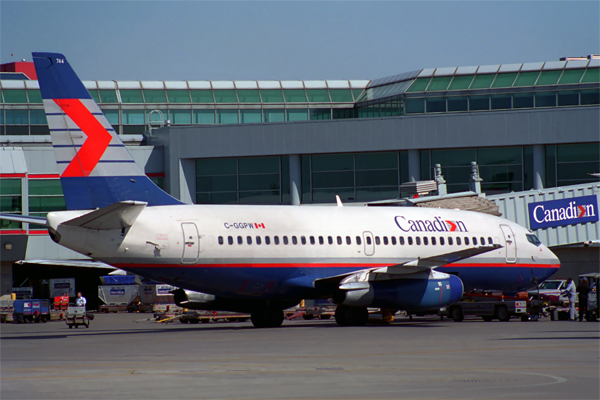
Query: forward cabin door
191, 243
369, 243
511, 244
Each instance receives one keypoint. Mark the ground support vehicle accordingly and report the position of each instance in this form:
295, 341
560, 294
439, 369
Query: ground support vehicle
195, 316
76, 316
31, 310
488, 307
6, 309
310, 309
593, 280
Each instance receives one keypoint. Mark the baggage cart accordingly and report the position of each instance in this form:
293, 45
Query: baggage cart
77, 316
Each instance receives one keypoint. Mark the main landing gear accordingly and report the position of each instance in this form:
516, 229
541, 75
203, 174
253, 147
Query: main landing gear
267, 317
351, 316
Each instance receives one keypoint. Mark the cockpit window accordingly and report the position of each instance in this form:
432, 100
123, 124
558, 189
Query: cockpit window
533, 240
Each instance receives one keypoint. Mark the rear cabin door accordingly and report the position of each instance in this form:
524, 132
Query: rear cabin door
511, 244
369, 243
191, 243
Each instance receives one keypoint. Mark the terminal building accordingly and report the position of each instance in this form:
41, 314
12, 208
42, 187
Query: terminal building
532, 130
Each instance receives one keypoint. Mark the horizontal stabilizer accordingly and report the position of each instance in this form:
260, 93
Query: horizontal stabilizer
24, 218
117, 216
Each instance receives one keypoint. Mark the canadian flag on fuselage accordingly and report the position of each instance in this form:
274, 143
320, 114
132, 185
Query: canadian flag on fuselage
95, 167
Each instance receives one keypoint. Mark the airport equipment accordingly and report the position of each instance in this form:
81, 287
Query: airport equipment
76, 316
593, 303
488, 307
31, 310
117, 297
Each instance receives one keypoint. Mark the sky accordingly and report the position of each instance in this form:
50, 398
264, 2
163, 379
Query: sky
293, 40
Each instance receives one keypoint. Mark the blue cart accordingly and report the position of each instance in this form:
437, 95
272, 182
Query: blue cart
31, 310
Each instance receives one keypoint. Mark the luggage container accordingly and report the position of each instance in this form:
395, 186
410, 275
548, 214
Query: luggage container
117, 298
31, 310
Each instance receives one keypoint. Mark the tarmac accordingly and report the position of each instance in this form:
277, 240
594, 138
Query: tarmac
129, 356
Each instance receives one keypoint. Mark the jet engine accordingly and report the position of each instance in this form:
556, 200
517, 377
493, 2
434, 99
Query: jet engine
414, 294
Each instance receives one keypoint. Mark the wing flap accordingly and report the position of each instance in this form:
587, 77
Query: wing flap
119, 215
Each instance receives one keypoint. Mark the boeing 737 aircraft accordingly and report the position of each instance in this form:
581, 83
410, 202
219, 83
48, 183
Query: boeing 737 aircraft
263, 259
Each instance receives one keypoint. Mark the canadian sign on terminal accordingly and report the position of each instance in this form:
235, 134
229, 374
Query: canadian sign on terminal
575, 210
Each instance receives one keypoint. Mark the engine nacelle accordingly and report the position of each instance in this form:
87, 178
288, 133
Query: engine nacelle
406, 294
193, 300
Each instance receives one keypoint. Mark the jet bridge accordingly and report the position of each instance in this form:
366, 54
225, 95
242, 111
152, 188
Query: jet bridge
560, 216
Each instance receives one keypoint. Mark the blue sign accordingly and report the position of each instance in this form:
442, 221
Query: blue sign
576, 210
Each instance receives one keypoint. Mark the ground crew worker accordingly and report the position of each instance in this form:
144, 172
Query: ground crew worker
80, 301
583, 289
571, 293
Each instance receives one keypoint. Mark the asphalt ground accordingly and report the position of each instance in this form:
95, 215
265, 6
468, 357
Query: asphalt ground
127, 356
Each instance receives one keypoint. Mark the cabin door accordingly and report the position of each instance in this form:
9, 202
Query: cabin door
369, 243
191, 243
511, 244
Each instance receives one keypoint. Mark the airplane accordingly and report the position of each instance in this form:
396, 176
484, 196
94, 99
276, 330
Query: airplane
264, 259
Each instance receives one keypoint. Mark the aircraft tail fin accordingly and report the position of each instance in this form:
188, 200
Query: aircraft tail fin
96, 169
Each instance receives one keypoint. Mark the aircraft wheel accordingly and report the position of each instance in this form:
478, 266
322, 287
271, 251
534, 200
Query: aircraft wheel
267, 317
307, 316
351, 316
457, 314
502, 313
487, 318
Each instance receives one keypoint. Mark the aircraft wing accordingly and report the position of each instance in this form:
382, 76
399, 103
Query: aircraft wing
420, 265
25, 218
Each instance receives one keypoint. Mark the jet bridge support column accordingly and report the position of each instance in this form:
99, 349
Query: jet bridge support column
295, 179
414, 166
539, 166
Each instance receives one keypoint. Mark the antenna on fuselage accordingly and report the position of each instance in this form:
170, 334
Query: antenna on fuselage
339, 201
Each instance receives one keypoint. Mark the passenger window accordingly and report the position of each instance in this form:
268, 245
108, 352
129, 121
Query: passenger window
467, 241
433, 240
458, 241
474, 241
369, 240
402, 240
258, 240
385, 240
221, 241
425, 240
418, 240
294, 240
339, 240
240, 240
449, 240
312, 240
441, 240
285, 240
348, 240
267, 240
358, 241
249, 239
329, 240
377, 240
276, 239
230, 239
303, 239
393, 240
482, 241
321, 241
410, 241
490, 241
